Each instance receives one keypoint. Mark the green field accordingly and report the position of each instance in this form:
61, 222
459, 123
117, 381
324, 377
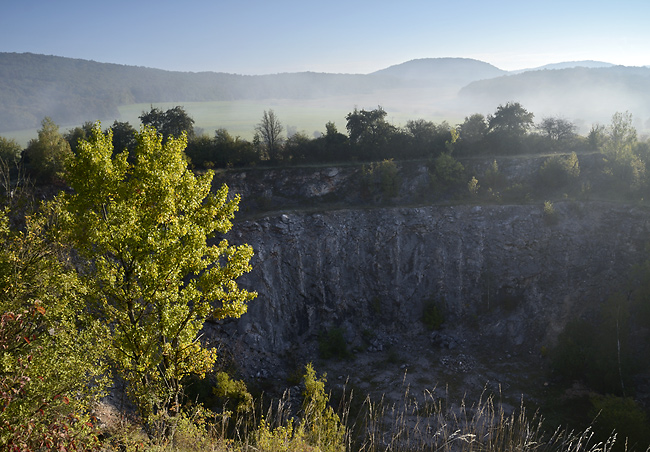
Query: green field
306, 115
240, 117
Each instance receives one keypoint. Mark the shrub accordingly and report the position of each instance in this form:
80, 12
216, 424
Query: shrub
473, 186
389, 178
493, 177
432, 315
233, 394
321, 424
549, 213
559, 171
383, 175
623, 416
446, 172
332, 344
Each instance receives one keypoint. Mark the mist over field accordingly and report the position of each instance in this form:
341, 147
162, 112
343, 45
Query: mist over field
442, 89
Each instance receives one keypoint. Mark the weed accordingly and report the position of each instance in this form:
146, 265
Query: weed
332, 344
432, 315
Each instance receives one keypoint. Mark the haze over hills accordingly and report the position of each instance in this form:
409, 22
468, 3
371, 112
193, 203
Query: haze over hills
578, 93
450, 70
566, 65
72, 91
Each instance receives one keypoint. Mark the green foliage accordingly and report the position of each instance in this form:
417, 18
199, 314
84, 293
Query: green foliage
332, 344
173, 122
77, 134
233, 394
322, 426
446, 172
47, 154
473, 186
559, 171
550, 216
384, 175
427, 139
432, 315
51, 353
9, 151
557, 129
318, 428
282, 438
494, 178
626, 169
389, 178
369, 132
511, 119
142, 229
623, 416
123, 136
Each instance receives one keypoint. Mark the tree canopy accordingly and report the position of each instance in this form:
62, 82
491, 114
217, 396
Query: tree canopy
144, 230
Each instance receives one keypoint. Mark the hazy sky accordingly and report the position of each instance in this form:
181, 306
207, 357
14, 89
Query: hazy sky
264, 36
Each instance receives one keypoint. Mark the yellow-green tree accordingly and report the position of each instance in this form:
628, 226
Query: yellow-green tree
46, 155
52, 365
626, 168
143, 229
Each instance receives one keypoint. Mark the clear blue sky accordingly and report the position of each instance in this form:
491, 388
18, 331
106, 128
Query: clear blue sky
263, 37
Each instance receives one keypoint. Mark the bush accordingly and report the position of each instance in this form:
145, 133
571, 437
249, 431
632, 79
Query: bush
321, 424
559, 171
588, 351
233, 394
432, 315
549, 213
473, 186
446, 172
382, 176
623, 416
332, 344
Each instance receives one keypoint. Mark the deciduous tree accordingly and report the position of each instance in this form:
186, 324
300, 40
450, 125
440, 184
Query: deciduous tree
270, 132
557, 129
172, 122
369, 132
144, 230
9, 151
52, 365
512, 119
46, 155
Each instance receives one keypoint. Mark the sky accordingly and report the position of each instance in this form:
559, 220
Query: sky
335, 36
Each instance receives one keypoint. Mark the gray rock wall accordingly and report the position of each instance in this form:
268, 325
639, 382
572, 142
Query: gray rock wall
505, 271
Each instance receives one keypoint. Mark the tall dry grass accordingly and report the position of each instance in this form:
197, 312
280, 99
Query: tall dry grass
415, 423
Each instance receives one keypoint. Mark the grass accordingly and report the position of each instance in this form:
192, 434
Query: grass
416, 423
239, 117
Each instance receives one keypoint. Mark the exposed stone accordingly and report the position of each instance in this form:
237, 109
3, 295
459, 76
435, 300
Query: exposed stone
499, 271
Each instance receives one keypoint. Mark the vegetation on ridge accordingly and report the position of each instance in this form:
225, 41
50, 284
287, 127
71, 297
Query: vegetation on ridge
116, 272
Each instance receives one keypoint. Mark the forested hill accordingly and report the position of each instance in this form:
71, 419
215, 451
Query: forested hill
456, 70
579, 92
72, 91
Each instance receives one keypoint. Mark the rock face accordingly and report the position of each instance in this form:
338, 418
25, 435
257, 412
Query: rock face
509, 274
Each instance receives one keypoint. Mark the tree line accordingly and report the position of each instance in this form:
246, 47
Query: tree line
370, 137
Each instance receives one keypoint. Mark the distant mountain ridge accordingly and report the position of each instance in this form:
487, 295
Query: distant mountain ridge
460, 70
567, 65
577, 92
72, 91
